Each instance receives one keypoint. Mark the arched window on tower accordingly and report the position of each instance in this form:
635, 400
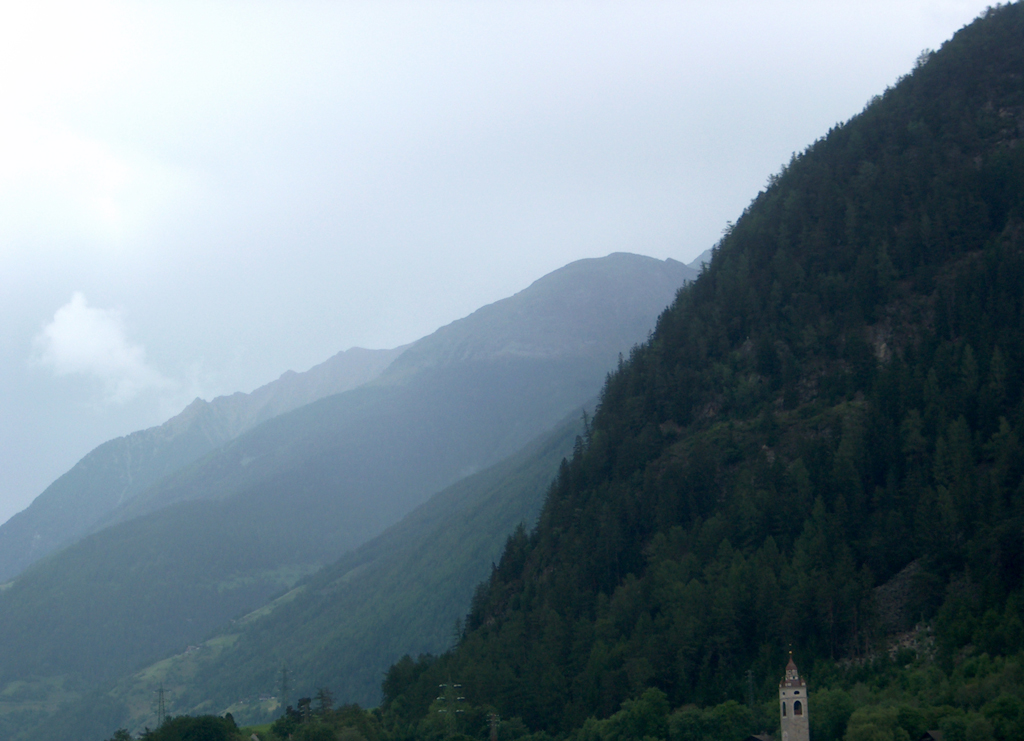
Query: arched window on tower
798, 708
783, 710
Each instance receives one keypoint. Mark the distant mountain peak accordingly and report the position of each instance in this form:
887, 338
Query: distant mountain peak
571, 310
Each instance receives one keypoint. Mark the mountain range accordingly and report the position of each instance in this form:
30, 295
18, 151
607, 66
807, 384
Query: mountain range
120, 469
219, 536
816, 453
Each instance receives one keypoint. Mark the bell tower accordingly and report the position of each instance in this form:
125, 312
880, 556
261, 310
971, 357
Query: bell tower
793, 705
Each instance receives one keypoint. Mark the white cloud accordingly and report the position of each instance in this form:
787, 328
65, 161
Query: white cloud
86, 341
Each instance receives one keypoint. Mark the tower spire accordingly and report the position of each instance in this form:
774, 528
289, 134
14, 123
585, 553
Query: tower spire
793, 707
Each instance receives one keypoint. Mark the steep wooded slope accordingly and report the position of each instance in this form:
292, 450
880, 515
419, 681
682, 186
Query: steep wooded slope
836, 399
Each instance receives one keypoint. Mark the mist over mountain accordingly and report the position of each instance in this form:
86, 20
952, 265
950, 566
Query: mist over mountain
220, 536
120, 469
467, 395
818, 449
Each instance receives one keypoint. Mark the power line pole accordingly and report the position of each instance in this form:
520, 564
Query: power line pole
494, 719
284, 687
451, 697
750, 688
160, 706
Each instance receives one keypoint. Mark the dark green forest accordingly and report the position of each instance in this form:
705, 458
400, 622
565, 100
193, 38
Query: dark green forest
818, 448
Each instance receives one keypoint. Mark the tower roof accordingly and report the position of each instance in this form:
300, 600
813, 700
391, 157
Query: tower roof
792, 678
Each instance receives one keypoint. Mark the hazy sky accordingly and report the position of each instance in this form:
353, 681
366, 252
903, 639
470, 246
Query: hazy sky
198, 196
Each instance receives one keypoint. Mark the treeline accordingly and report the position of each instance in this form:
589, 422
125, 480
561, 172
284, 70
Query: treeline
314, 719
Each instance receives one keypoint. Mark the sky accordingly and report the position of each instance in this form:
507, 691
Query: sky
198, 196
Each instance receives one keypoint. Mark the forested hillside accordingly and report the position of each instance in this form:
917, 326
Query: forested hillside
819, 448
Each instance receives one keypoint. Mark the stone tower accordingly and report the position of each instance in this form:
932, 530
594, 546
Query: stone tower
793, 705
